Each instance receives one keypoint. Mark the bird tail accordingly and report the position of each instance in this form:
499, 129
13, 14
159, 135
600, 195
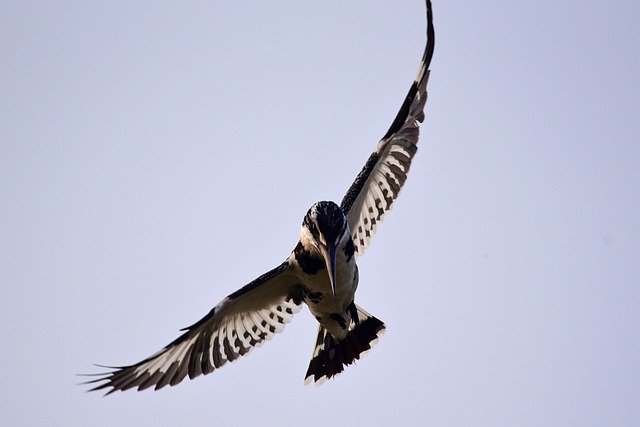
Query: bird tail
331, 354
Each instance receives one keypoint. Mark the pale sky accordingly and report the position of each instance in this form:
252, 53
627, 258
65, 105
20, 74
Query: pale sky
157, 156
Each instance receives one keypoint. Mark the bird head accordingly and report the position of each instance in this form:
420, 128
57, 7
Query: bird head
325, 226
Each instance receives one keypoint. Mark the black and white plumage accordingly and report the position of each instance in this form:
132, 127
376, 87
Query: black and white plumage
321, 272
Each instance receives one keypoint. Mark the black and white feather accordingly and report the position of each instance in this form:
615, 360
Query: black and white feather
243, 320
378, 184
330, 355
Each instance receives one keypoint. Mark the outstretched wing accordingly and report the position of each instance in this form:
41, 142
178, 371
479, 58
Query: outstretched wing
243, 320
382, 178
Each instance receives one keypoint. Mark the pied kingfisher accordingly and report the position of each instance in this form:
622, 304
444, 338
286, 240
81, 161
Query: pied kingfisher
320, 272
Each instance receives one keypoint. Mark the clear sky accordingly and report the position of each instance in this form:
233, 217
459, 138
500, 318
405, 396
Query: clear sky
156, 156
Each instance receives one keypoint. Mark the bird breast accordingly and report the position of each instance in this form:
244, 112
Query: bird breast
316, 286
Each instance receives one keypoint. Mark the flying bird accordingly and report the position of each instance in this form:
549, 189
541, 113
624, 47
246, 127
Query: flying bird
320, 272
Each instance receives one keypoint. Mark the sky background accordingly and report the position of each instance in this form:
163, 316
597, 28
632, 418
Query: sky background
156, 156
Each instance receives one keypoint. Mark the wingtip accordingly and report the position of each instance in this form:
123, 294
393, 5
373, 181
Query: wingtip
431, 35
101, 380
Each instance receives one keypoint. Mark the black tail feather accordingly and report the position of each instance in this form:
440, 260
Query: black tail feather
331, 355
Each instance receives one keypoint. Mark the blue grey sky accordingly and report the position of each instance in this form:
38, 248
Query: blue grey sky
156, 156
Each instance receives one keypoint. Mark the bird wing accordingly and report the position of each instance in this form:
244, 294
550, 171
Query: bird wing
241, 321
383, 175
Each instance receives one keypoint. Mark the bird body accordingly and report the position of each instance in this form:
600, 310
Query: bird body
320, 272
308, 263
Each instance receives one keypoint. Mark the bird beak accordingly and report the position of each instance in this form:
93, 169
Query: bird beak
329, 255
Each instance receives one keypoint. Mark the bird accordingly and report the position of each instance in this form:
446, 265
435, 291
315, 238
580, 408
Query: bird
320, 272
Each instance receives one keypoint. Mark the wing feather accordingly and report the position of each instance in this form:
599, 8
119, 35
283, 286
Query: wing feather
243, 320
378, 184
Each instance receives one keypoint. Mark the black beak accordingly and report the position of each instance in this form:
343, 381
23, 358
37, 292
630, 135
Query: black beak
329, 254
